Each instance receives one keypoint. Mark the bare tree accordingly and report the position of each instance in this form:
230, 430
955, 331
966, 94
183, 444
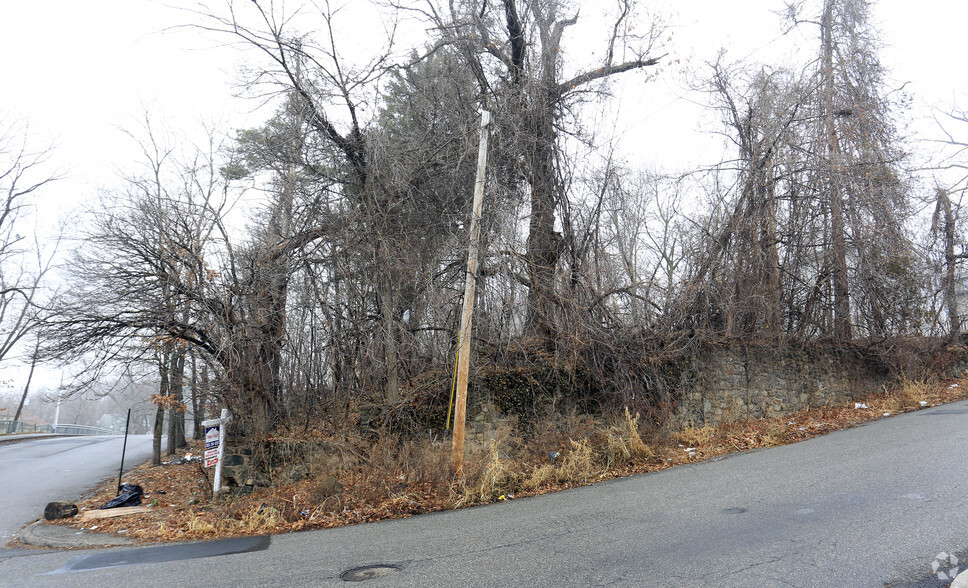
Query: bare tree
142, 275
24, 259
517, 51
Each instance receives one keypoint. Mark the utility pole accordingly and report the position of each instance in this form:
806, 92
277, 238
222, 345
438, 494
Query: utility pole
464, 340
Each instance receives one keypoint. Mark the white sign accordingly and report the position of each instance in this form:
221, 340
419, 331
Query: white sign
211, 445
215, 446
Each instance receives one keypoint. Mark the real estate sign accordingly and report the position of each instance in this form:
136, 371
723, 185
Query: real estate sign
215, 446
211, 445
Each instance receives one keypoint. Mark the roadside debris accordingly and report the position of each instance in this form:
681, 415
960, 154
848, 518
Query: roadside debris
188, 458
859, 405
114, 512
130, 496
59, 510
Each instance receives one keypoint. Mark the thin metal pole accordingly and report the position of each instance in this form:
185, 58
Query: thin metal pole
124, 448
464, 340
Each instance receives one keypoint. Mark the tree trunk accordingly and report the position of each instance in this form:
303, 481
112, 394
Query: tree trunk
950, 289
30, 376
838, 241
160, 411
543, 248
176, 414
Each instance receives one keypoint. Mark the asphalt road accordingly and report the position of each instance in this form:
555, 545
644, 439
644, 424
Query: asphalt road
867, 506
37, 471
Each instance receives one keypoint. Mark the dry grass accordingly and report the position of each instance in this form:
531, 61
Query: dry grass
540, 476
694, 436
387, 477
199, 526
578, 465
496, 479
910, 394
625, 445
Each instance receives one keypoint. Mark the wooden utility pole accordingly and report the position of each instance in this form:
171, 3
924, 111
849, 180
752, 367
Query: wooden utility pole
464, 340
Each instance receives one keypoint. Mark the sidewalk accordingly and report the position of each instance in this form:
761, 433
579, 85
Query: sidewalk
63, 537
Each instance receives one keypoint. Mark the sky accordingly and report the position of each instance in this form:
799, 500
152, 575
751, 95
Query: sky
79, 73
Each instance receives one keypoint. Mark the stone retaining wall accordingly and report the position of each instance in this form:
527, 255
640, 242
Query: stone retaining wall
741, 382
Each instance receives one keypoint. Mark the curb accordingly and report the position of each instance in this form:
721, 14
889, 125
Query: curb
29, 436
64, 537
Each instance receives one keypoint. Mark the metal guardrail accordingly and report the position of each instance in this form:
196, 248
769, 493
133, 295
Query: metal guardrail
83, 430
19, 427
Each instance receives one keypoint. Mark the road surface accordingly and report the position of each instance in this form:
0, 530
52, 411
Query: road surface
868, 506
37, 471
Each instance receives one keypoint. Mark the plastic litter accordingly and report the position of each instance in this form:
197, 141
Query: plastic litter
188, 458
130, 496
860, 405
924, 403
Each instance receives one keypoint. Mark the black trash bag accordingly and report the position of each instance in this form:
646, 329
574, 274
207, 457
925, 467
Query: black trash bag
130, 496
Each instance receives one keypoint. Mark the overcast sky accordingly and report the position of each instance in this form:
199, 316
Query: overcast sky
79, 72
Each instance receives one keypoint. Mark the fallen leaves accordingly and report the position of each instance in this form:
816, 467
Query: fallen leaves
183, 509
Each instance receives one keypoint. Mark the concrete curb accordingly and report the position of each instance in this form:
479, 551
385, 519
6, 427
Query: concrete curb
63, 537
961, 581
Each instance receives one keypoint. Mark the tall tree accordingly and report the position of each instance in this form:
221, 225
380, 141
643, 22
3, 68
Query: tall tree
517, 50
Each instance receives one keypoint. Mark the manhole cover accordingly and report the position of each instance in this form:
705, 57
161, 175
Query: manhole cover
364, 573
734, 510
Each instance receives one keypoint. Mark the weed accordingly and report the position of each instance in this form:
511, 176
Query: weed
694, 436
199, 526
496, 478
774, 433
265, 518
624, 444
540, 476
578, 464
912, 392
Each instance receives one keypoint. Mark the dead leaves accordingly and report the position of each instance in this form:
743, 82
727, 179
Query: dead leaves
182, 508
